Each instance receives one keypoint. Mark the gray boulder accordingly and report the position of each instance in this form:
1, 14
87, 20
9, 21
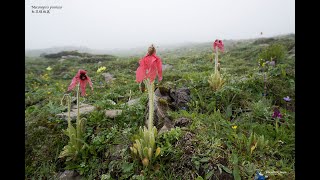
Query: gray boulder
83, 109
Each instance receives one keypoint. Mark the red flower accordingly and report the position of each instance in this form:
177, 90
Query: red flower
150, 67
219, 44
82, 78
276, 113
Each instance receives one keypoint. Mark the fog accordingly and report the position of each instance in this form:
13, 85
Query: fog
110, 24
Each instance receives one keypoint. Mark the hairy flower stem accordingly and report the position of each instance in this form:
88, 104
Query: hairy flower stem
216, 61
150, 87
69, 109
78, 115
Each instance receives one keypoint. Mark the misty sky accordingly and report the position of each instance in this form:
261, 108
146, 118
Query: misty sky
108, 24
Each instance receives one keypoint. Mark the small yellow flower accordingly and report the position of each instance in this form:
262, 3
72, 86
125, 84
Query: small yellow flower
234, 127
49, 68
100, 69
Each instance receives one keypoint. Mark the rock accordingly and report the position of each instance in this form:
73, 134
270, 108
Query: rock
108, 77
111, 102
167, 99
84, 109
69, 175
113, 113
133, 102
163, 129
180, 97
166, 66
161, 106
61, 60
182, 122
271, 63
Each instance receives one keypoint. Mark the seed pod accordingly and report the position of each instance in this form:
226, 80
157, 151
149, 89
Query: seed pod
151, 50
145, 161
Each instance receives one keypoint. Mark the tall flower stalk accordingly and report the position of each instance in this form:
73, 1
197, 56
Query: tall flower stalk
215, 80
150, 88
150, 67
76, 142
216, 61
217, 45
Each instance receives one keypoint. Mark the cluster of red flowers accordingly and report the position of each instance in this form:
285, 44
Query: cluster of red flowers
150, 66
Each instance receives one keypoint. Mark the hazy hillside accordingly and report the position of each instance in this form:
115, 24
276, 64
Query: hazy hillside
38, 52
163, 48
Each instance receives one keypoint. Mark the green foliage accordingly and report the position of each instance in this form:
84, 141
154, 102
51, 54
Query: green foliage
76, 143
145, 146
216, 81
203, 149
235, 171
275, 52
167, 141
263, 41
261, 110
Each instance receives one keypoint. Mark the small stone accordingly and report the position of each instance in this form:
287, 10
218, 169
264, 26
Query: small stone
181, 122
69, 175
163, 129
133, 102
111, 102
113, 113
108, 77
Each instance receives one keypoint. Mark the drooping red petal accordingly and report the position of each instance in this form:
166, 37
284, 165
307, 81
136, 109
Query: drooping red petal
83, 84
73, 83
140, 74
152, 67
141, 71
90, 83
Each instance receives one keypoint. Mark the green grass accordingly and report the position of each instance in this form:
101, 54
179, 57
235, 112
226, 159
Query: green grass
207, 146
